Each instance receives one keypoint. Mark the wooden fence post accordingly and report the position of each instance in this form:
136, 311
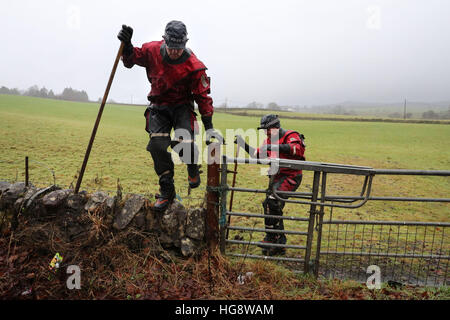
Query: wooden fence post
212, 206
26, 172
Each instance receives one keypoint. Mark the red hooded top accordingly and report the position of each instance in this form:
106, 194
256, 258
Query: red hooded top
173, 82
297, 149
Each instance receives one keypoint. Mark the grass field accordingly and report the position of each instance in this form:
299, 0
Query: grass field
55, 134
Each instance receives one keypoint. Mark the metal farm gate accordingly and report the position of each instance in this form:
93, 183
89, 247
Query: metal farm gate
415, 253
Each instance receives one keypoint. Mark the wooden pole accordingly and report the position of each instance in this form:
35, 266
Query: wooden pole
26, 172
212, 206
94, 131
223, 203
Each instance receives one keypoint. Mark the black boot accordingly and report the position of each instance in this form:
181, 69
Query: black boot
273, 251
193, 175
167, 189
274, 238
268, 239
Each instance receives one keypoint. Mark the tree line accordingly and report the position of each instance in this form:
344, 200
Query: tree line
430, 114
34, 91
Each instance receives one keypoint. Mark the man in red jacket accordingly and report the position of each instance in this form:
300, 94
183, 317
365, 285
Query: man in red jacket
283, 144
177, 79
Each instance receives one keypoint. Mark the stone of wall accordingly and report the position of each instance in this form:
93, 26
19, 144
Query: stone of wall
83, 215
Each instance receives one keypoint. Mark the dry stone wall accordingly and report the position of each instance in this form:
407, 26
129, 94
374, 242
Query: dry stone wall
94, 215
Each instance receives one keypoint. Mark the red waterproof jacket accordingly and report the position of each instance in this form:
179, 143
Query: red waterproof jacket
173, 82
296, 152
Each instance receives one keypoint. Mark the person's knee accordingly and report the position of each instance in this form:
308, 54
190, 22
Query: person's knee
274, 205
188, 152
157, 145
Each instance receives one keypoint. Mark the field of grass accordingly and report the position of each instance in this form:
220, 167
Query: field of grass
55, 134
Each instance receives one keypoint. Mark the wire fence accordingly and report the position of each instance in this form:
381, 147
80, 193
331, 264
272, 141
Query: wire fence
21, 168
415, 253
18, 174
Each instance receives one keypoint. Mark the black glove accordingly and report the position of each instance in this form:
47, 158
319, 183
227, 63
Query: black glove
125, 35
211, 133
263, 150
281, 148
207, 122
239, 141
278, 147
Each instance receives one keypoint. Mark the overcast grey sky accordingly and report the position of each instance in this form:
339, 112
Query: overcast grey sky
290, 52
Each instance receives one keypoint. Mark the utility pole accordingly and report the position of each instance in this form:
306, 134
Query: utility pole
404, 111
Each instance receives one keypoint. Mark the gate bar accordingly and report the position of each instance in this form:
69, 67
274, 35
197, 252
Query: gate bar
441, 173
254, 256
338, 168
275, 245
254, 215
393, 223
267, 230
308, 165
344, 199
314, 201
379, 254
350, 199
247, 190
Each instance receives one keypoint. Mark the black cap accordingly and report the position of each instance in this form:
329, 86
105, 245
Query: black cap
269, 121
175, 35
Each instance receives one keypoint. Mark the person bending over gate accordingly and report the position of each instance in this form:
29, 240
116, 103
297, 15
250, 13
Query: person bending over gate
286, 144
